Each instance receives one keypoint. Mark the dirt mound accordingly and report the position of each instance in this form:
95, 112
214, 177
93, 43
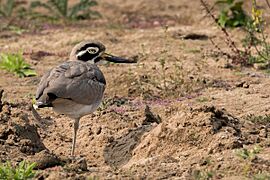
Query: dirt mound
181, 143
17, 136
202, 128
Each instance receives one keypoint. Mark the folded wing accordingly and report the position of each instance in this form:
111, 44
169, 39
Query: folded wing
79, 81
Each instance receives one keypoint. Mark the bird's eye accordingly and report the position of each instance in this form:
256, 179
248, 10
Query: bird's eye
92, 50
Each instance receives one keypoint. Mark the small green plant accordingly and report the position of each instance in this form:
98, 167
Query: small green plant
10, 9
258, 119
162, 62
17, 30
202, 99
7, 8
248, 154
261, 176
163, 57
93, 178
11, 12
194, 51
232, 14
22, 172
257, 37
15, 63
59, 9
203, 175
236, 54
255, 47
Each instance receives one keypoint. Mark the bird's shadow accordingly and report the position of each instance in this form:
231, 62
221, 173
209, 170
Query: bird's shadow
118, 152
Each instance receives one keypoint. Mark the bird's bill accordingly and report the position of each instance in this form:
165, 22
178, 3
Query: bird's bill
115, 59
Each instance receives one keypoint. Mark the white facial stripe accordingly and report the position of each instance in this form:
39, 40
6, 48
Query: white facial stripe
81, 53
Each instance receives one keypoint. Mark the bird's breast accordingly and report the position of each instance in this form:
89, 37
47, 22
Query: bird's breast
73, 109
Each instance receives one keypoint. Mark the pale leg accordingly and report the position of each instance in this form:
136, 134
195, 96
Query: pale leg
76, 127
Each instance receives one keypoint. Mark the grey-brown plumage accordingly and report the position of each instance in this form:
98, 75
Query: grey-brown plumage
75, 88
68, 80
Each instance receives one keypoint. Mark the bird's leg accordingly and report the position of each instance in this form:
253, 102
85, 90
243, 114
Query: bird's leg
76, 127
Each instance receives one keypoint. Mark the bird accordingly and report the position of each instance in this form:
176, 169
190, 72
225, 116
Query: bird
76, 87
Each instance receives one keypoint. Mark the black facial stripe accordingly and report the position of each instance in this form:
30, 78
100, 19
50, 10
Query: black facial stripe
87, 56
98, 59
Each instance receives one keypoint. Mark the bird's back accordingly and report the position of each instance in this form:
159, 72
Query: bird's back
71, 87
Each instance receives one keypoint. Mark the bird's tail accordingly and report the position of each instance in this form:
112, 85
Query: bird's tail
44, 101
40, 104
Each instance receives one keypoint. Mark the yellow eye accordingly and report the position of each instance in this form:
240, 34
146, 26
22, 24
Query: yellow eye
92, 50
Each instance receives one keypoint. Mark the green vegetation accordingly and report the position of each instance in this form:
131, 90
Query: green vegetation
15, 63
59, 9
6, 8
202, 99
202, 175
254, 48
258, 119
19, 16
232, 14
248, 154
22, 172
163, 58
257, 37
93, 178
16, 30
261, 176
12, 9
194, 51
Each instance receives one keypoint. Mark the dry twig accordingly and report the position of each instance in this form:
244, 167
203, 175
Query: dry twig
239, 57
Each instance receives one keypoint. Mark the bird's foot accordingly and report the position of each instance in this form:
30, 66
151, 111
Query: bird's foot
78, 163
74, 158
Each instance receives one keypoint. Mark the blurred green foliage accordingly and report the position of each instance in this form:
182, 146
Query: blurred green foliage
59, 9
22, 172
7, 8
15, 63
231, 13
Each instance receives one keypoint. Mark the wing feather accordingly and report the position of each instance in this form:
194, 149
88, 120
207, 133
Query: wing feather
82, 82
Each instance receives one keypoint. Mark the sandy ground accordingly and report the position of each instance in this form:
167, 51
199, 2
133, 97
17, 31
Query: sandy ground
202, 114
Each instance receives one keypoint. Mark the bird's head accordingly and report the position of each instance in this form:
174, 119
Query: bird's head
94, 51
